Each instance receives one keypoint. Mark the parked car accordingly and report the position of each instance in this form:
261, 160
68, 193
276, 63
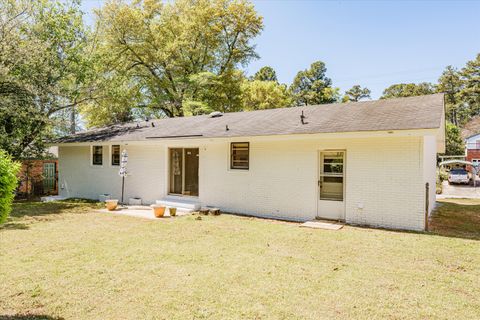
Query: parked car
458, 176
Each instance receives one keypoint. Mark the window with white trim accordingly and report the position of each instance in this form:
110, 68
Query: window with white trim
97, 155
115, 155
239, 155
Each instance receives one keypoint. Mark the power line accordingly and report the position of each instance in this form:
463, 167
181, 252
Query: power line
382, 75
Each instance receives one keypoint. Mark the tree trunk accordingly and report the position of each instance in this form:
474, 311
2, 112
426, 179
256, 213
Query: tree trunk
73, 124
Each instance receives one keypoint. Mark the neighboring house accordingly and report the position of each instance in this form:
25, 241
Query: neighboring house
364, 163
472, 149
471, 128
39, 176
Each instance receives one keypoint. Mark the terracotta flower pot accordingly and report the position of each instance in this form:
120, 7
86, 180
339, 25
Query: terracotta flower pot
111, 204
173, 211
159, 211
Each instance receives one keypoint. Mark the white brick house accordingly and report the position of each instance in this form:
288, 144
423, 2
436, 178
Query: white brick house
364, 163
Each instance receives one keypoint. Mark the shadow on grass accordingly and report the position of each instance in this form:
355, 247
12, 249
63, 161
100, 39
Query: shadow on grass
453, 218
25, 212
29, 317
458, 218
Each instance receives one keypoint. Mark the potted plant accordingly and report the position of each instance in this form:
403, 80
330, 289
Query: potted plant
111, 204
158, 210
172, 211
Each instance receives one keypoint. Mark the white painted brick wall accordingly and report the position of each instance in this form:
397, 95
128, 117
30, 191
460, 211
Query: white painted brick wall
429, 167
385, 175
146, 167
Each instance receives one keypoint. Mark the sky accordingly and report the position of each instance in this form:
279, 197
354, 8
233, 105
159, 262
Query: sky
371, 43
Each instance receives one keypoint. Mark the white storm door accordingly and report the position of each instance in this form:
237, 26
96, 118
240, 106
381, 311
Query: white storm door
331, 185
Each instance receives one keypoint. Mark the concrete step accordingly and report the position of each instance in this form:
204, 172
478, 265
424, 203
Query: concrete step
181, 203
52, 198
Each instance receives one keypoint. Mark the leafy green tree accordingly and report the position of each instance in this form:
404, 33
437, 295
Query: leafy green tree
115, 106
182, 54
215, 92
8, 182
408, 90
266, 74
451, 84
470, 93
356, 93
454, 143
42, 70
259, 95
312, 86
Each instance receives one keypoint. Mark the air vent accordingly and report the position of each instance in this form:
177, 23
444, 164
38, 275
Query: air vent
215, 114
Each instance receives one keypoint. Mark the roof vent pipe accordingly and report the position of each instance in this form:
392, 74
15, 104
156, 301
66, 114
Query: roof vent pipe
302, 118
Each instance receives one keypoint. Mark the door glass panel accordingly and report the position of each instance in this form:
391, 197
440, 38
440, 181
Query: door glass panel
184, 171
176, 170
191, 172
331, 176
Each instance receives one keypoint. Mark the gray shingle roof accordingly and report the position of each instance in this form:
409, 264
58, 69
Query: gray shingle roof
423, 112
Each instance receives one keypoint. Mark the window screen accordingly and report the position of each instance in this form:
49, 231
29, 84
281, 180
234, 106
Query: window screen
97, 155
331, 176
115, 155
239, 158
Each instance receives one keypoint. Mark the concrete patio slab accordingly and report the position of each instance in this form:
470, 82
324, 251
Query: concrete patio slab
144, 212
327, 225
52, 198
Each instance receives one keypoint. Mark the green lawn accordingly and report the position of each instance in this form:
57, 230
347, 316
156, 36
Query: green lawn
63, 260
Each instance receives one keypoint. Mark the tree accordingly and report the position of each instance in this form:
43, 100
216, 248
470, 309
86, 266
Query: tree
8, 182
182, 54
119, 95
470, 93
454, 142
408, 90
42, 70
451, 84
266, 74
312, 86
356, 93
259, 95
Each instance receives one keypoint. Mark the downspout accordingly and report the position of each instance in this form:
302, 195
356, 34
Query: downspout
427, 203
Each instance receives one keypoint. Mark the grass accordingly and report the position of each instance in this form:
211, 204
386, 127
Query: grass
64, 260
457, 218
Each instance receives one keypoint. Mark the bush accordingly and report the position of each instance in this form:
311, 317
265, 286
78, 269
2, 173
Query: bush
442, 175
8, 182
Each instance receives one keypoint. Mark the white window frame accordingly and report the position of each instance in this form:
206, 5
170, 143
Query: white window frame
119, 155
230, 158
91, 156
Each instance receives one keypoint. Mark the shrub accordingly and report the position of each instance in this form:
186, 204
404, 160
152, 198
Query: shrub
8, 182
442, 174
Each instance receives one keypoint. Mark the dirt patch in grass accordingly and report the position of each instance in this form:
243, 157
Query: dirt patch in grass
457, 218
